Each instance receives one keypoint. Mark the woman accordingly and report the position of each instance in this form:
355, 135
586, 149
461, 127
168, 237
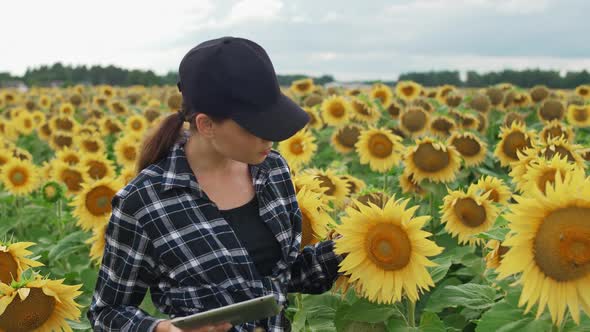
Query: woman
212, 218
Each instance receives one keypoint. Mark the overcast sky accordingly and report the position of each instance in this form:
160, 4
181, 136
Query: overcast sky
348, 39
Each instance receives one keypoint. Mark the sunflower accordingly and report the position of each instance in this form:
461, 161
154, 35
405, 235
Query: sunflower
302, 87
550, 246
542, 172
539, 93
513, 117
409, 185
334, 189
92, 206
335, 111
44, 132
88, 144
482, 122
494, 256
13, 260
39, 118
344, 138
513, 139
299, 148
99, 167
38, 305
71, 175
362, 112
394, 109
560, 146
408, 90
382, 93
126, 150
414, 121
521, 99
136, 124
583, 91
551, 109
498, 191
578, 115
110, 125
379, 148
66, 109
97, 242
432, 161
472, 148
354, 184
19, 177
480, 103
68, 156
555, 129
60, 140
423, 103
373, 196
386, 251
442, 125
466, 214
63, 123
312, 100
24, 123
442, 93
52, 191
22, 154
468, 121
314, 219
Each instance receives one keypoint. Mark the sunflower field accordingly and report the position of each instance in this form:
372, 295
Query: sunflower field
455, 209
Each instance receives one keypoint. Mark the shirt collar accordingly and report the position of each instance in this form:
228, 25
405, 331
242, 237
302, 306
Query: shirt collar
178, 174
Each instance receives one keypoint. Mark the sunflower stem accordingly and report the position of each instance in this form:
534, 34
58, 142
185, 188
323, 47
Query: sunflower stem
411, 313
385, 182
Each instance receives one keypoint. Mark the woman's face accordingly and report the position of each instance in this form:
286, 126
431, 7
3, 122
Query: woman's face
235, 142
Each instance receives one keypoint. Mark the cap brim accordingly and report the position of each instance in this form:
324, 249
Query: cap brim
281, 121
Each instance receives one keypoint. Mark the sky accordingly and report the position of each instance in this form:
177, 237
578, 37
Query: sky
351, 40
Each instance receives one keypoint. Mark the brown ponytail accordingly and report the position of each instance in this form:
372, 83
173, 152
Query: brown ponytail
156, 145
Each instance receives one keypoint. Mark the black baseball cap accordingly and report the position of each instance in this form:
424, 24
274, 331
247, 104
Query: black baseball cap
234, 77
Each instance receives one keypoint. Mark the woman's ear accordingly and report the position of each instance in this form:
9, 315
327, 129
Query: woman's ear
204, 125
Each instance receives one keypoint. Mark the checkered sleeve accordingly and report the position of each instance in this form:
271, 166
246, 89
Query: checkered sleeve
126, 272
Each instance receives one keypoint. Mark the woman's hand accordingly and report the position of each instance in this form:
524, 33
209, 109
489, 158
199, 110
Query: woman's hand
166, 326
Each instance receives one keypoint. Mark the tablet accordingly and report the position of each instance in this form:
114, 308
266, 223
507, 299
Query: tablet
237, 313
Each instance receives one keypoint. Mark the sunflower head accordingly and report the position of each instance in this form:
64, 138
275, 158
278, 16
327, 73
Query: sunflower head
550, 247
364, 112
38, 304
52, 191
496, 253
299, 148
379, 148
13, 260
555, 129
543, 172
560, 146
494, 188
315, 220
92, 206
442, 125
432, 160
354, 184
345, 138
379, 198
443, 92
512, 140
408, 90
174, 101
466, 214
539, 93
71, 175
302, 87
335, 111
453, 99
381, 93
409, 185
583, 91
388, 244
480, 103
414, 121
513, 117
551, 109
472, 148
20, 177
578, 115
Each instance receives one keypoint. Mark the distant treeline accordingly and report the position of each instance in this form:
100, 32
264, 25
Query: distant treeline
69, 75
523, 78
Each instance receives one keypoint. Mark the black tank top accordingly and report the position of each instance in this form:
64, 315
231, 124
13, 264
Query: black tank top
254, 235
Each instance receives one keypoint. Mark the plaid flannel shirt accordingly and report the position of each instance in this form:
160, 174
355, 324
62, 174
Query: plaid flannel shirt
166, 235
